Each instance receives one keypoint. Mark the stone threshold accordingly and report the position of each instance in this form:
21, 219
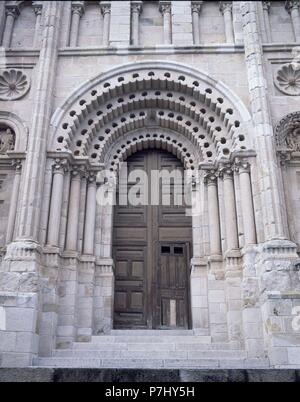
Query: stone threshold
37, 374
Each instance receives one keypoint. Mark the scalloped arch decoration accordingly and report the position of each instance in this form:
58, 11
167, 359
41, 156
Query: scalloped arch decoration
151, 94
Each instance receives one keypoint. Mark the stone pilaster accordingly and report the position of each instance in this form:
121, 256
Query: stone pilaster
136, 9
38, 8
106, 12
266, 9
196, 9
165, 9
77, 10
293, 9
226, 10
14, 201
12, 12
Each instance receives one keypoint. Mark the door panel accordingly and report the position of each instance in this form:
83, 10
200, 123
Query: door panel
151, 252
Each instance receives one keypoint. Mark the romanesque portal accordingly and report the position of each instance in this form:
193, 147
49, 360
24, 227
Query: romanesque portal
214, 95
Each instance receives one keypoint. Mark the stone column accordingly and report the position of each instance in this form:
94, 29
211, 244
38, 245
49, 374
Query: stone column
266, 9
73, 214
37, 7
136, 9
243, 169
56, 202
230, 209
77, 12
105, 9
12, 12
165, 8
293, 9
14, 201
226, 10
213, 214
196, 8
89, 227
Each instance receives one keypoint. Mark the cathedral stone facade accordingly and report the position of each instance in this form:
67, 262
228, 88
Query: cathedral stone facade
212, 88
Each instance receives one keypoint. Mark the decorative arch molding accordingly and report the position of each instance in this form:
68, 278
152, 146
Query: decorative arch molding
152, 93
153, 138
20, 130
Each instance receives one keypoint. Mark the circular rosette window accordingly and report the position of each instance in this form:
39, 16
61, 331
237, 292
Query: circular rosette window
13, 84
287, 79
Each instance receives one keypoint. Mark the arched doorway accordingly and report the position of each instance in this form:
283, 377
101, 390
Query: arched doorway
151, 249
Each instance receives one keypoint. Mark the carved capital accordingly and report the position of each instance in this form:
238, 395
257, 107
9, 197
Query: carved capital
196, 6
105, 8
78, 172
292, 5
91, 177
17, 164
165, 7
37, 8
60, 166
242, 166
13, 10
136, 7
266, 5
226, 172
225, 6
284, 157
211, 177
78, 8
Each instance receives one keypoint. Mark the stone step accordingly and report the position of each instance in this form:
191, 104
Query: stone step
150, 339
154, 354
192, 346
157, 332
149, 363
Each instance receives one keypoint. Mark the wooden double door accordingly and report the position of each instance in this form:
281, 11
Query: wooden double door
151, 250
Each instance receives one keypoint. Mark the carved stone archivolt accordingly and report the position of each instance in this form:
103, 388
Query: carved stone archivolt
287, 79
287, 132
13, 84
7, 140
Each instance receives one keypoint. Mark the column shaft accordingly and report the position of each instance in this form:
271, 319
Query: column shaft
8, 29
56, 205
226, 10
166, 12
38, 13
77, 11
89, 227
13, 203
196, 7
247, 204
136, 8
230, 211
296, 22
105, 9
213, 215
266, 8
73, 215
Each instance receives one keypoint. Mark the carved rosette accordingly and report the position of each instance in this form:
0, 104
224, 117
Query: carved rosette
287, 79
13, 84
